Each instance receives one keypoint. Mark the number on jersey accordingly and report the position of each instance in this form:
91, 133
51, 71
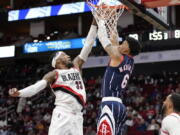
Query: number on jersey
125, 81
79, 85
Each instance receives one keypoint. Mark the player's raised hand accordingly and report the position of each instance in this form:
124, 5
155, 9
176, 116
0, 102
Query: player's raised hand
14, 92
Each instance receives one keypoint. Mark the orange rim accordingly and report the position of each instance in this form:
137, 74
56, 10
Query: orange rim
104, 6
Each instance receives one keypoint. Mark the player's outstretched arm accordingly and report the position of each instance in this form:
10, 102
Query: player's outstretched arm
112, 50
90, 39
35, 88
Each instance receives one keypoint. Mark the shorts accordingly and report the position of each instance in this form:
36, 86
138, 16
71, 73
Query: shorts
64, 122
112, 117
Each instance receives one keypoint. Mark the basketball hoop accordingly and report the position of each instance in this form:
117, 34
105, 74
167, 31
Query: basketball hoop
109, 11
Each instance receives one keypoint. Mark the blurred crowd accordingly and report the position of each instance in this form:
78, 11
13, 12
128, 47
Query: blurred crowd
31, 116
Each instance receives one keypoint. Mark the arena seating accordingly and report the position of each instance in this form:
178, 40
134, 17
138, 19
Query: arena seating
145, 95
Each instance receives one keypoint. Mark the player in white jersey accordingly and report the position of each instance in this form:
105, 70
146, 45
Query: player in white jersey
68, 87
171, 110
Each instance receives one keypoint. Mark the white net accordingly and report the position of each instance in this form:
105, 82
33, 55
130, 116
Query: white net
109, 11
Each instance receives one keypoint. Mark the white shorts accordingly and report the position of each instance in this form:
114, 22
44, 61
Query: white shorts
64, 122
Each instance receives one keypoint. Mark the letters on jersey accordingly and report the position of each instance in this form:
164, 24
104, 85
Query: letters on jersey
71, 77
125, 68
71, 82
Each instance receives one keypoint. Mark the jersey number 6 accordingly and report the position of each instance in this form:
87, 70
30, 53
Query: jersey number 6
125, 81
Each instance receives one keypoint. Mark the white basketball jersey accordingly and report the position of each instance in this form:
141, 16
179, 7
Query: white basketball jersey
69, 87
171, 125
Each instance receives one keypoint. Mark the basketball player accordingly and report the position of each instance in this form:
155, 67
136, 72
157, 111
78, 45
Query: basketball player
68, 87
171, 111
112, 111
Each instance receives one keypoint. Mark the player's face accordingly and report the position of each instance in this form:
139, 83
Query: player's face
65, 60
124, 48
167, 105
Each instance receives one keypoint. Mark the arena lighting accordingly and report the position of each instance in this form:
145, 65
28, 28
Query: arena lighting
48, 38
7, 51
35, 40
56, 32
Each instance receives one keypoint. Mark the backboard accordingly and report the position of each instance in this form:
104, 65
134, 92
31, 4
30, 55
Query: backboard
158, 16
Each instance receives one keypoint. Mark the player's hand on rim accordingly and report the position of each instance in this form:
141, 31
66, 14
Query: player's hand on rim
14, 92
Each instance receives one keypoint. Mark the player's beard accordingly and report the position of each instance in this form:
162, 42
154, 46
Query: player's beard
70, 65
164, 109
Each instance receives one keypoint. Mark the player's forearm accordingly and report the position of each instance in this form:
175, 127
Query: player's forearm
33, 89
105, 42
90, 39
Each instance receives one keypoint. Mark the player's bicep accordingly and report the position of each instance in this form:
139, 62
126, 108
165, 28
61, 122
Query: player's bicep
50, 77
78, 62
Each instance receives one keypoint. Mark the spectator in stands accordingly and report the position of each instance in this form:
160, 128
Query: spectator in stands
153, 125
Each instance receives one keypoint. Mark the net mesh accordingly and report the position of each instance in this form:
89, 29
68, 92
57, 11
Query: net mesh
109, 11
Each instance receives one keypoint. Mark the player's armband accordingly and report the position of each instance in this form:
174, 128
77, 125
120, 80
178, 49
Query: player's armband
33, 89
